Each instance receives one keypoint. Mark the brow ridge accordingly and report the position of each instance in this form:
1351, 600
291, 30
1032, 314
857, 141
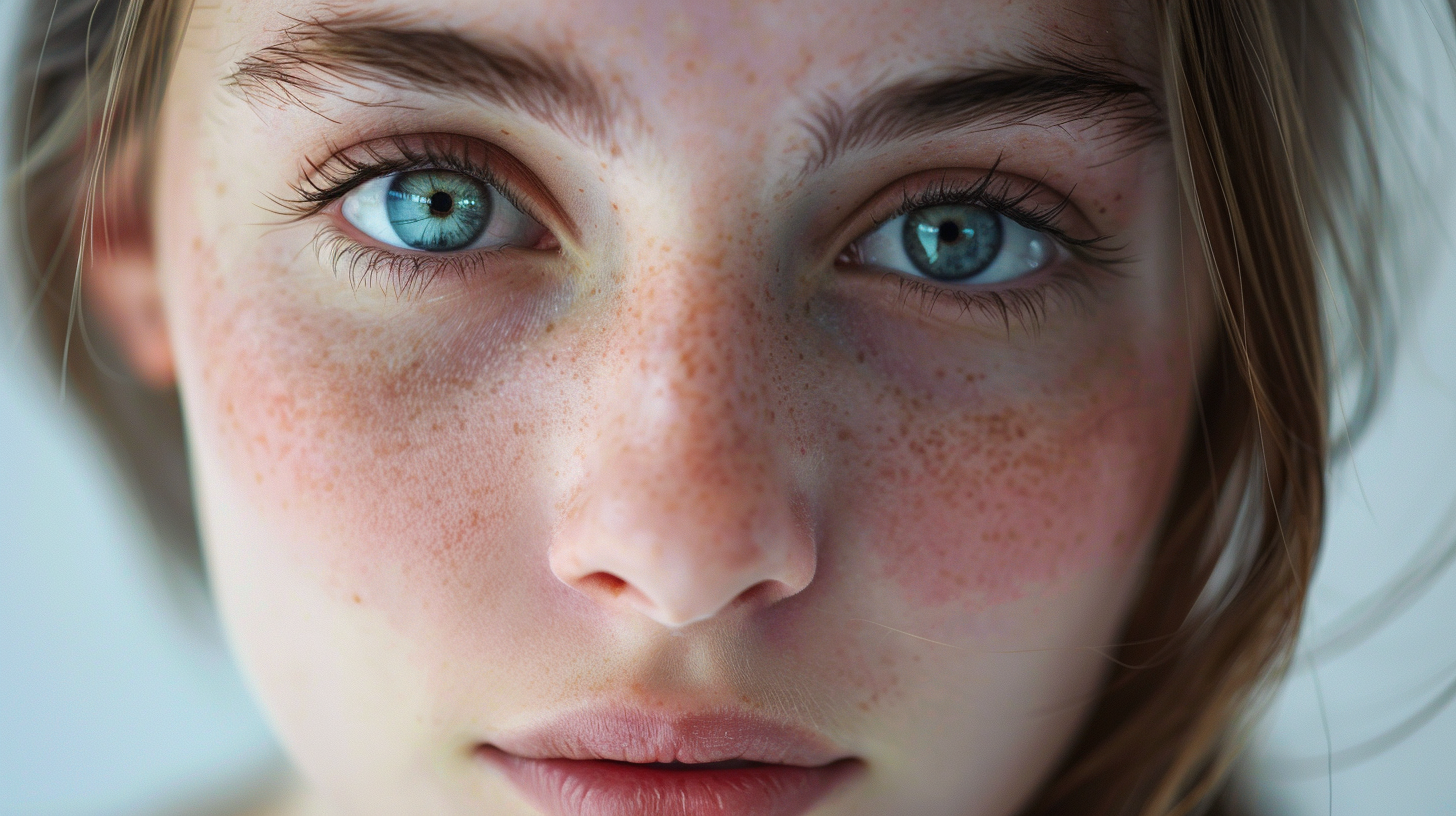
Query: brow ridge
1046, 91
318, 57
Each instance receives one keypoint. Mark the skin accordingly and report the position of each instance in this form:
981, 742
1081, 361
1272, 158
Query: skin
686, 461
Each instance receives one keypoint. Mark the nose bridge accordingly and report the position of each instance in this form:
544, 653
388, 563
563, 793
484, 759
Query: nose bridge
701, 383
695, 395
686, 505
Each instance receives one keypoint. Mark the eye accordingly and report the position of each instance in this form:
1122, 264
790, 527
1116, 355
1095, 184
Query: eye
438, 211
956, 243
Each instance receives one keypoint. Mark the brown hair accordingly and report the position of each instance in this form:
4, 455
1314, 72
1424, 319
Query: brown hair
1267, 103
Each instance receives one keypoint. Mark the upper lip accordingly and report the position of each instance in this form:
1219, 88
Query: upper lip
637, 736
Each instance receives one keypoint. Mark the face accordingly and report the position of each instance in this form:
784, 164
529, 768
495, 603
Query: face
640, 407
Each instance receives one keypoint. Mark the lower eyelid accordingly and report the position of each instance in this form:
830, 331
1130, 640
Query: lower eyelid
1028, 307
399, 271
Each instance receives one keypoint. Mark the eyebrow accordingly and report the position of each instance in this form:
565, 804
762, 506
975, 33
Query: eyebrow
313, 58
1051, 91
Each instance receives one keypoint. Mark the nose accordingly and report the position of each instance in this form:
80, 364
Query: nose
686, 505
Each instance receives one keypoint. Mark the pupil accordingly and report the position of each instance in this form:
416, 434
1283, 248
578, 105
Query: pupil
950, 232
441, 203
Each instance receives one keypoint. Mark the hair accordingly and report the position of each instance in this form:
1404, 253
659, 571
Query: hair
1268, 104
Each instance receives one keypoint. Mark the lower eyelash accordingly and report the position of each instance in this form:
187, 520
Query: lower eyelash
407, 274
1027, 306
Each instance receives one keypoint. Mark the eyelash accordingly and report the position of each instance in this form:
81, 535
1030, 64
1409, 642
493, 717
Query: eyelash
335, 178
992, 191
409, 274
1026, 305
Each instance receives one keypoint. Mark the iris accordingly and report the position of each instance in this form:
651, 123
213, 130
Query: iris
952, 242
437, 210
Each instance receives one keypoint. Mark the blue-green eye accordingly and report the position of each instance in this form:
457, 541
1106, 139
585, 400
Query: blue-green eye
438, 211
956, 243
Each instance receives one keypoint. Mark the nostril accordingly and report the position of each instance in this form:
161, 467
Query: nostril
634, 557
604, 583
763, 593
608, 588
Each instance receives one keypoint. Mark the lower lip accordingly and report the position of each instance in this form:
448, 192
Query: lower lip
569, 787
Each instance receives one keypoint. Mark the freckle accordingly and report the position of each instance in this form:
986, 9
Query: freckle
358, 600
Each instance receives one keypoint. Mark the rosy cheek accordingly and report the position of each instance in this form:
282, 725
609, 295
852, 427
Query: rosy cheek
373, 449
972, 483
977, 512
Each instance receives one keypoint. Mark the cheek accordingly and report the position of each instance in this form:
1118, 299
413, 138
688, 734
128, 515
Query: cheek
972, 483
977, 513
359, 442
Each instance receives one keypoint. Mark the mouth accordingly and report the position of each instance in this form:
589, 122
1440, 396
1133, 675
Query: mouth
631, 764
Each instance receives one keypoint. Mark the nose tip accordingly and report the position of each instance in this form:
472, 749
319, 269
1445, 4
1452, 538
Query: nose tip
679, 572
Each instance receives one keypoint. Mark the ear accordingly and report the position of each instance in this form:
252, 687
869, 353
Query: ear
120, 280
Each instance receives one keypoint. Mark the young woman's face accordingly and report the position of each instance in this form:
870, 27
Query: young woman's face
782, 393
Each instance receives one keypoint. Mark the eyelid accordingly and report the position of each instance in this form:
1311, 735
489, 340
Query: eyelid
327, 181
1048, 210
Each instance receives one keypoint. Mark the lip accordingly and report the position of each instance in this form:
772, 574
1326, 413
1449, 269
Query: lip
628, 763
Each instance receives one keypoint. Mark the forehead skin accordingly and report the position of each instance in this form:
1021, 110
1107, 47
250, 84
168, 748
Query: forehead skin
386, 474
679, 78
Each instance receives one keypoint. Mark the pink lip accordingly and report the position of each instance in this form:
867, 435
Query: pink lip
628, 763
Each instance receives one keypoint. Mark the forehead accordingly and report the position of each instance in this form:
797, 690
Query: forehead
665, 53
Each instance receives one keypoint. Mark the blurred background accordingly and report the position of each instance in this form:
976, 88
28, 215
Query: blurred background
117, 697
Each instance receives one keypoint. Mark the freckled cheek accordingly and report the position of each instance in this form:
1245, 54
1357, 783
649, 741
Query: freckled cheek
372, 447
973, 494
1003, 515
